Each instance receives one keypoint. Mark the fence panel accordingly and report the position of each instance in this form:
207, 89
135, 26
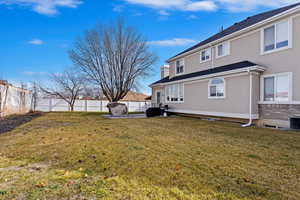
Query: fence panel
14, 100
48, 105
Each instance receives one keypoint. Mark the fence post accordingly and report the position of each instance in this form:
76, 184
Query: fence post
101, 109
86, 105
50, 105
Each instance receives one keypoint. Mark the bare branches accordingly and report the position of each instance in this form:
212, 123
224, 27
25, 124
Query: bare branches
66, 86
35, 91
113, 57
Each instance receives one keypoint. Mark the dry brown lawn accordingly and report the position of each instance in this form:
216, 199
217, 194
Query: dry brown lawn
84, 156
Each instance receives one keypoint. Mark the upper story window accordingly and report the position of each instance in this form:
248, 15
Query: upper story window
205, 55
216, 88
179, 66
174, 93
223, 49
276, 37
277, 88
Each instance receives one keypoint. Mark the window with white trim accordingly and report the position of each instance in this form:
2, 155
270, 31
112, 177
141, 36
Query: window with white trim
223, 49
276, 36
216, 88
277, 88
179, 66
205, 55
174, 93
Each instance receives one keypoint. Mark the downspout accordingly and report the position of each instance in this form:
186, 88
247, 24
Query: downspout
250, 102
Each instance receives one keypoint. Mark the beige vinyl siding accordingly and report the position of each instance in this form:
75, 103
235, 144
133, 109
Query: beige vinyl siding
236, 100
256, 92
243, 47
193, 63
248, 47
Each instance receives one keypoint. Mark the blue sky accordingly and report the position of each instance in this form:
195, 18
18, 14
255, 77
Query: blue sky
36, 34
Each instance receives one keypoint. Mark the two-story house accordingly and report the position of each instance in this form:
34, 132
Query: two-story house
251, 71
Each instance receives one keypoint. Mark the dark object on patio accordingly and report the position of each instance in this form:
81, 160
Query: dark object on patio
166, 107
295, 123
153, 112
117, 109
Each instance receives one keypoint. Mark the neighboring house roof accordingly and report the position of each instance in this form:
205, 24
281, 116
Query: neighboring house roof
225, 68
149, 98
241, 25
134, 96
5, 82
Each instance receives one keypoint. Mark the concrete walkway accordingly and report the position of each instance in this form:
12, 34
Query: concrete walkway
129, 116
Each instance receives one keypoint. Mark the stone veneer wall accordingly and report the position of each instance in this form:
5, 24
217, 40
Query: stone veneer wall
278, 111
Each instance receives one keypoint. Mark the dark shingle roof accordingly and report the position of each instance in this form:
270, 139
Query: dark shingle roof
239, 65
241, 25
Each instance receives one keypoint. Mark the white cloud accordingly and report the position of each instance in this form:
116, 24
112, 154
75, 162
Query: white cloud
36, 42
183, 5
164, 13
210, 5
200, 5
246, 5
31, 73
45, 7
172, 42
192, 17
118, 8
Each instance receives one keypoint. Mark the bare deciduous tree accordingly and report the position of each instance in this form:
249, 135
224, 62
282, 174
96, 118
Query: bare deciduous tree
66, 86
114, 57
90, 91
34, 96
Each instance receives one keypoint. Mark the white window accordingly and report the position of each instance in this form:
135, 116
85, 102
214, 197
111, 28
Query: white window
174, 93
223, 49
277, 88
276, 37
179, 66
205, 55
216, 88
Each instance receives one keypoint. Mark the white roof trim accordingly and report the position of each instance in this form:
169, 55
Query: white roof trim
246, 69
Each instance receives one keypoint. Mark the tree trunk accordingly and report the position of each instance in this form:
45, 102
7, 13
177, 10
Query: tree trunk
72, 107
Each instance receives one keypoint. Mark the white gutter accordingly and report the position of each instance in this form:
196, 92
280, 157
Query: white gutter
250, 101
253, 68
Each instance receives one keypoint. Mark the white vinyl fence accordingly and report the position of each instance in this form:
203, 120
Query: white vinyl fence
14, 100
56, 105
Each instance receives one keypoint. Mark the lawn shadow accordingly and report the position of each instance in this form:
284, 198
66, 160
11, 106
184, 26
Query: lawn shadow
10, 123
